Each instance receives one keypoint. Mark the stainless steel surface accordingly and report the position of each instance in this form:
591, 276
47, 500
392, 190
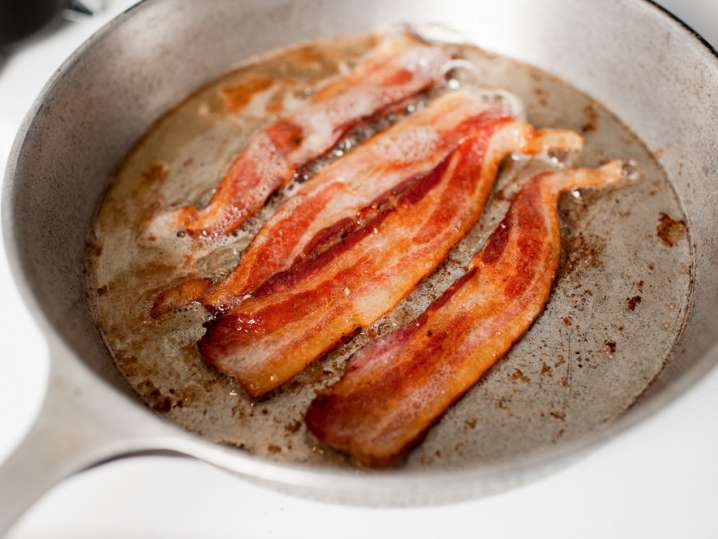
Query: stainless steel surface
647, 69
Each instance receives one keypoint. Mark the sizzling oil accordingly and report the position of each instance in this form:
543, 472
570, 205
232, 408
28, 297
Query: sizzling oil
618, 302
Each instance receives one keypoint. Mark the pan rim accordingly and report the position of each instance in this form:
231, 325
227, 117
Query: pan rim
312, 476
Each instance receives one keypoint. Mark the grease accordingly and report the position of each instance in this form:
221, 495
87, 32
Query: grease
180, 160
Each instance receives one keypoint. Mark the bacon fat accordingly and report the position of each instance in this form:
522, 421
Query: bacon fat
335, 201
299, 314
399, 67
397, 387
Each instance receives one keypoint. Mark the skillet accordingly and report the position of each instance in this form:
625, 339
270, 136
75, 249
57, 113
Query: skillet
656, 75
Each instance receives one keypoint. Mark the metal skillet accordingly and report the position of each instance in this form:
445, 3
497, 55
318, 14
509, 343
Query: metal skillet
653, 73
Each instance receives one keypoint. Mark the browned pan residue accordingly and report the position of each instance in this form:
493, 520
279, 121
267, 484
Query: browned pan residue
560, 381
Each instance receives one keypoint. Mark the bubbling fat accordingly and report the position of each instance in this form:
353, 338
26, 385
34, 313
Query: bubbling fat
502, 101
182, 156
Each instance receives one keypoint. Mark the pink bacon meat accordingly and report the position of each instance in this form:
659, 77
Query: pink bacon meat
326, 207
300, 314
396, 388
397, 68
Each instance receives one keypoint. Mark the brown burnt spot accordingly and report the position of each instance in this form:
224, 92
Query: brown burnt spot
129, 364
274, 449
470, 424
670, 230
680, 168
590, 119
558, 415
502, 403
93, 249
633, 302
560, 360
500, 195
567, 320
238, 409
639, 285
188, 162
155, 172
610, 347
518, 376
185, 395
293, 427
559, 434
541, 95
154, 397
582, 251
546, 370
101, 291
564, 381
236, 97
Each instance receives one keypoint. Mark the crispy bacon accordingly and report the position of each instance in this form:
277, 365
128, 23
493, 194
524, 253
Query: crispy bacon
339, 198
297, 315
396, 388
394, 70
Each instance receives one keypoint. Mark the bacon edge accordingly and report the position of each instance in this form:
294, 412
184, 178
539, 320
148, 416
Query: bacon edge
298, 315
399, 67
395, 389
338, 199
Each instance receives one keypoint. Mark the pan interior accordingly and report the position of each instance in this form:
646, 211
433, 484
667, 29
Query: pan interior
618, 305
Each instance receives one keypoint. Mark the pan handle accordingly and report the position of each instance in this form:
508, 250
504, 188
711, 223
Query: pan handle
81, 424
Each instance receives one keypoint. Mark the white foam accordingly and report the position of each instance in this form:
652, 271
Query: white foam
414, 144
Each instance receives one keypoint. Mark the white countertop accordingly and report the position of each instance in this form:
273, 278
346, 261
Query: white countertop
659, 480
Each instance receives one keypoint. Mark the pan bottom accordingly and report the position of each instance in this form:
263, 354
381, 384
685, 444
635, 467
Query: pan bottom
617, 307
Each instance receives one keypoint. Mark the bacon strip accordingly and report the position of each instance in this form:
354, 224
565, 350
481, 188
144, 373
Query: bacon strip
396, 388
334, 201
394, 70
298, 315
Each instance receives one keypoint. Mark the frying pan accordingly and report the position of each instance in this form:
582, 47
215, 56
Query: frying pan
654, 73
